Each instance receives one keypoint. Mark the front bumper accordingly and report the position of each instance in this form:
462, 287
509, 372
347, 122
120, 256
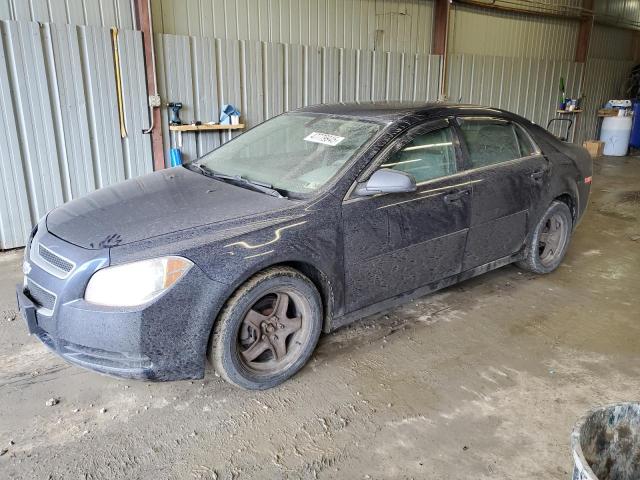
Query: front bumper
119, 363
163, 340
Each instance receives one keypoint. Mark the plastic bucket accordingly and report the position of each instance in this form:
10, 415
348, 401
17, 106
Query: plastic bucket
606, 444
615, 134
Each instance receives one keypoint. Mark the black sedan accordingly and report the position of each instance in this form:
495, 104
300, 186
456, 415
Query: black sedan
303, 224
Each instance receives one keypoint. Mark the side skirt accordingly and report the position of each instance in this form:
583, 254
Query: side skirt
390, 303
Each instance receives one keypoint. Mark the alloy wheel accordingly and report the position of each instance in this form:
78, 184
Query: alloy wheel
553, 239
273, 331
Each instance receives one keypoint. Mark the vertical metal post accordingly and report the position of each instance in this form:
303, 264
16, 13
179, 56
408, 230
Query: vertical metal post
143, 23
440, 37
584, 33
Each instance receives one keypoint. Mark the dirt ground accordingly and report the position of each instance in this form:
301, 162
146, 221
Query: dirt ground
482, 380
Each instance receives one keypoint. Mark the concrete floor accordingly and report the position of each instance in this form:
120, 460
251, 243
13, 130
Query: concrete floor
482, 380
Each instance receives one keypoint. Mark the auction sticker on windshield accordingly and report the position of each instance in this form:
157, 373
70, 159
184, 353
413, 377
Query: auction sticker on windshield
324, 138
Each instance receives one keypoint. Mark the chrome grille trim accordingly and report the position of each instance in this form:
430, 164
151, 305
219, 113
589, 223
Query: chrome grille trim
44, 299
51, 262
54, 259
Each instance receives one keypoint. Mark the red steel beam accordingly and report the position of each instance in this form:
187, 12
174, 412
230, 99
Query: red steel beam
584, 33
440, 27
143, 22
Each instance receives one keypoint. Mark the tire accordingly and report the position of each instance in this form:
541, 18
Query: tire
549, 240
256, 342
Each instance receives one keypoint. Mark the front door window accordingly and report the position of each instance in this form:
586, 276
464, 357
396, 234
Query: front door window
428, 156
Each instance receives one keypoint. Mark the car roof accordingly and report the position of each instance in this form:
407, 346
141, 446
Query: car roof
394, 111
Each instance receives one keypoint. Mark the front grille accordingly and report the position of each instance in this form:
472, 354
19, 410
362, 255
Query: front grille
40, 296
54, 259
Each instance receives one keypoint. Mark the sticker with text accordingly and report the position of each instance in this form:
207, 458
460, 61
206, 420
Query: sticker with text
324, 138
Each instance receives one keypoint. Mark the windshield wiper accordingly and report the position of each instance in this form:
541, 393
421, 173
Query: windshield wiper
252, 184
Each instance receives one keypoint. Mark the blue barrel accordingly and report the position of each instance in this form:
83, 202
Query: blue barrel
634, 141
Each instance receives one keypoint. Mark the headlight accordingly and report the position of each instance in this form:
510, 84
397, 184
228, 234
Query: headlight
136, 283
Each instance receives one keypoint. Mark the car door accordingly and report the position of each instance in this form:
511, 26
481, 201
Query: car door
395, 243
507, 172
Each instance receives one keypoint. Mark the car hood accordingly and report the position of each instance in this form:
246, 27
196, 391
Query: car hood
155, 204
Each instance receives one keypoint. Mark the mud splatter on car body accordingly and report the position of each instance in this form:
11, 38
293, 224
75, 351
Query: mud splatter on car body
364, 254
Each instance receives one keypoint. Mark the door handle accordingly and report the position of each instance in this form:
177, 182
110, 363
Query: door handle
455, 196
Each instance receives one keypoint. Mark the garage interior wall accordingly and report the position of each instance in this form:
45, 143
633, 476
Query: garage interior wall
611, 56
59, 120
388, 25
273, 56
619, 11
60, 127
512, 61
97, 13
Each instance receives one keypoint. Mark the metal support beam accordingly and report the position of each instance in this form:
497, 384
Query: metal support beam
440, 27
439, 44
143, 23
584, 33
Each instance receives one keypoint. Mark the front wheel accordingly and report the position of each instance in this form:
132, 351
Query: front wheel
549, 240
268, 329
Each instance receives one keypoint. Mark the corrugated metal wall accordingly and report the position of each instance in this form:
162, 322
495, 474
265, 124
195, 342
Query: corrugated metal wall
515, 61
481, 31
526, 86
617, 11
604, 80
99, 13
387, 25
59, 130
608, 66
264, 79
611, 42
58, 110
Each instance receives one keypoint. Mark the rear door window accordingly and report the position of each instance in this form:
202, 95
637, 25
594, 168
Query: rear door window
491, 141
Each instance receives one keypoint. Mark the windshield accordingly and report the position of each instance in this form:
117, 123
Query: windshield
297, 152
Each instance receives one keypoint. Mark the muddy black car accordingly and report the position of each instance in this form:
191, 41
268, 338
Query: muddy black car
303, 224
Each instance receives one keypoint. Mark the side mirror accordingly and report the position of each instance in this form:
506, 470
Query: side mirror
386, 180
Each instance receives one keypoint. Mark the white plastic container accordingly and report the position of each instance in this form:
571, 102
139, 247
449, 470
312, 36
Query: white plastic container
615, 133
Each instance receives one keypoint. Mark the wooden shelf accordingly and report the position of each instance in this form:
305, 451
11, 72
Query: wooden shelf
204, 127
608, 112
569, 111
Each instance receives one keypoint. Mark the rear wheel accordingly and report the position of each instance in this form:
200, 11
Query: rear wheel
267, 330
549, 241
